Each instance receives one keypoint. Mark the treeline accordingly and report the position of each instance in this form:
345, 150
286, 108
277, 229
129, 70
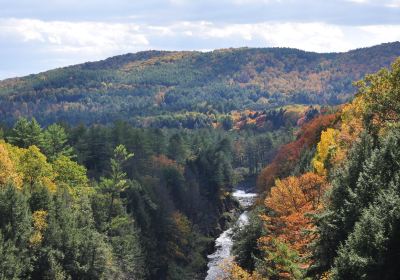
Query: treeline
331, 203
158, 85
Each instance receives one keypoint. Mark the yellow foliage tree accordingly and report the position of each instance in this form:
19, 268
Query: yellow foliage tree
35, 169
39, 224
8, 172
235, 272
325, 151
350, 128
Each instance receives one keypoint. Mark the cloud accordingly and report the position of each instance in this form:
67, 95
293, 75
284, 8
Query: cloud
61, 36
394, 4
382, 33
383, 3
252, 2
358, 1
104, 38
31, 45
157, 12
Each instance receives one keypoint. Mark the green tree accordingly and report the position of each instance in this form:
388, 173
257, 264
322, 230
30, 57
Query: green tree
55, 142
71, 247
371, 250
381, 91
70, 174
15, 231
117, 182
119, 227
26, 133
338, 220
245, 242
176, 148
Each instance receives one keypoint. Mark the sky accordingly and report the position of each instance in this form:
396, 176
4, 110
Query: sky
38, 35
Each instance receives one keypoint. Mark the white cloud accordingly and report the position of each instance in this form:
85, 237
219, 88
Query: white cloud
358, 1
385, 3
248, 2
62, 36
317, 36
382, 33
52, 44
393, 4
104, 38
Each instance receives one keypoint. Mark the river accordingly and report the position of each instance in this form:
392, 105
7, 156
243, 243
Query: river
223, 244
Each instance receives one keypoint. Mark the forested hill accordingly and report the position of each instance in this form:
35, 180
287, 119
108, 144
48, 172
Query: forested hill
197, 88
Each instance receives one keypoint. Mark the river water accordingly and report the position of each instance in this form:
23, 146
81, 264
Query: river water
223, 244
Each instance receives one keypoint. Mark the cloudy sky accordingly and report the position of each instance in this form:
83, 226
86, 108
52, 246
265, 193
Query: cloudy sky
36, 35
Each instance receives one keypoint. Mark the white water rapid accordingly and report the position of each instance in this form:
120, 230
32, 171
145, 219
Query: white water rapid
223, 244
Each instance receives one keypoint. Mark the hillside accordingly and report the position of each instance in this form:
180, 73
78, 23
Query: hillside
331, 205
146, 88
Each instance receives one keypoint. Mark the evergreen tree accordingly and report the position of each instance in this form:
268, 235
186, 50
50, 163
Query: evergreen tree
26, 133
371, 250
15, 233
55, 142
338, 220
176, 148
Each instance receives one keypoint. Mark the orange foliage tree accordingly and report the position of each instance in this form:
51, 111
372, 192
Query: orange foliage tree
291, 201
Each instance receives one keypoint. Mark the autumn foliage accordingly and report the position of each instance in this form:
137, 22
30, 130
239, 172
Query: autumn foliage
288, 155
290, 201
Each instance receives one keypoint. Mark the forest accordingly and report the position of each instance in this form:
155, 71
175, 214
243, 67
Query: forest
124, 168
330, 207
117, 201
189, 89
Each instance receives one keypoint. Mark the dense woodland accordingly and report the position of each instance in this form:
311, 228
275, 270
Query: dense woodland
123, 169
101, 202
188, 89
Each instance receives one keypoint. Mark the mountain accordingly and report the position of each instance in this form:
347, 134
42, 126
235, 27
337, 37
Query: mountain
169, 88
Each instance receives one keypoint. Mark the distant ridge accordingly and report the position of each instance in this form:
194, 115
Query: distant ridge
139, 87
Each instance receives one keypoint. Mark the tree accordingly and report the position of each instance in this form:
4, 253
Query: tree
26, 133
15, 232
70, 174
289, 155
119, 227
325, 152
289, 226
117, 181
69, 247
245, 242
55, 142
371, 250
380, 92
35, 169
292, 200
8, 170
176, 148
280, 262
337, 221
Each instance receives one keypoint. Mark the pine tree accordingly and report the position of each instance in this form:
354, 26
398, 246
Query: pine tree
371, 250
55, 142
15, 232
337, 221
26, 133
